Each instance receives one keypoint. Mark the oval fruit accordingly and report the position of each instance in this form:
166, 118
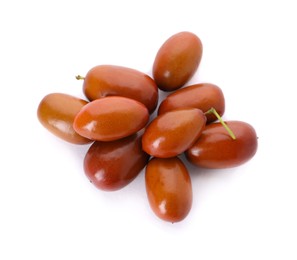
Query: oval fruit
109, 80
203, 96
169, 188
177, 60
216, 149
113, 165
56, 112
173, 132
111, 118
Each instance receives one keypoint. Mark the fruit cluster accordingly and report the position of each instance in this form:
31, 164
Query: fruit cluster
116, 120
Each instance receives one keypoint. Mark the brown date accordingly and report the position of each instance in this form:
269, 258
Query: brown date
113, 165
177, 60
109, 80
169, 188
203, 96
216, 149
174, 132
56, 112
111, 118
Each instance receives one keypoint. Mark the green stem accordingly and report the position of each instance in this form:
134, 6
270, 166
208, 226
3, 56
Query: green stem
79, 77
213, 111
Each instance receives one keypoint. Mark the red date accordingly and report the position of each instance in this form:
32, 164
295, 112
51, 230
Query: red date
169, 188
56, 112
113, 165
177, 60
111, 118
216, 149
109, 80
203, 96
172, 133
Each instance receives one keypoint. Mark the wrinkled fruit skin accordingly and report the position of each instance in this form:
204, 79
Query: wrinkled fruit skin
113, 165
177, 60
110, 80
169, 188
216, 149
111, 118
203, 96
56, 112
172, 133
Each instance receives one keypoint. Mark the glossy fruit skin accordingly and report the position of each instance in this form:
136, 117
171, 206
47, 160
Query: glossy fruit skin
203, 96
216, 149
56, 112
112, 165
169, 188
177, 60
111, 118
109, 80
172, 133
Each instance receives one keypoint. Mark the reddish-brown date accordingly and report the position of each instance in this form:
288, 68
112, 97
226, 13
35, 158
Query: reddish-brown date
216, 149
109, 80
177, 60
56, 112
169, 188
203, 96
111, 118
173, 132
113, 165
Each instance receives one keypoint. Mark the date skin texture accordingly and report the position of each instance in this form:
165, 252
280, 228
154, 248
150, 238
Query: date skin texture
216, 149
177, 60
113, 165
56, 112
169, 188
109, 80
111, 118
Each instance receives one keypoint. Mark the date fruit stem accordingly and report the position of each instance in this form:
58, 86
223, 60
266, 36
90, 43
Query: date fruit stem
79, 77
213, 111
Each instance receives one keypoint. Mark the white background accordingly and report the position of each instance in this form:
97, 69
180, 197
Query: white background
48, 208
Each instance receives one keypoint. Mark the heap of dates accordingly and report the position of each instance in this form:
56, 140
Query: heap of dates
125, 140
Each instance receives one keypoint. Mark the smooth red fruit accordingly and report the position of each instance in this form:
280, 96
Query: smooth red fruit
216, 149
113, 165
174, 132
169, 188
111, 118
56, 112
177, 60
203, 96
109, 80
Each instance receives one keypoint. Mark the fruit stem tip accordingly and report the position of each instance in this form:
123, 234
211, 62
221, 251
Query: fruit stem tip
79, 77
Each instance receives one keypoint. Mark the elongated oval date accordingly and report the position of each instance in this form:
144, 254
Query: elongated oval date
113, 165
216, 149
56, 112
177, 60
110, 80
111, 118
169, 188
203, 96
174, 132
